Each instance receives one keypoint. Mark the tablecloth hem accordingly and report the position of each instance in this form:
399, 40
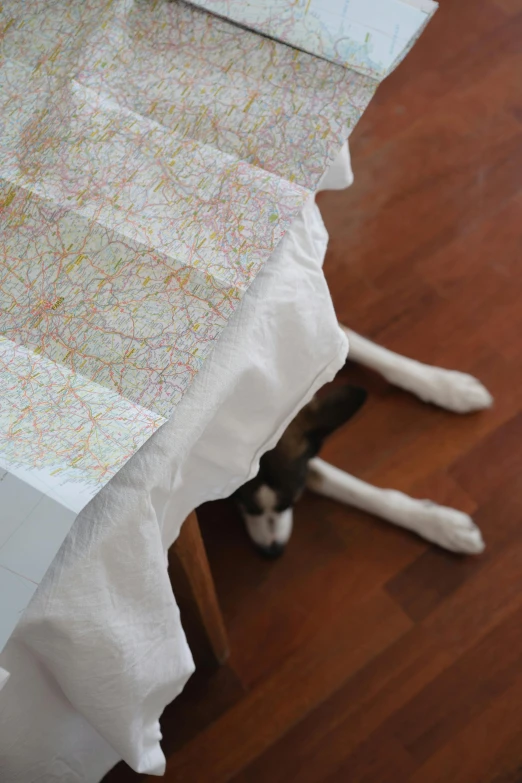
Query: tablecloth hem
325, 375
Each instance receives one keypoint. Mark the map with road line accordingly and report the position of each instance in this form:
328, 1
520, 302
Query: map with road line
369, 36
152, 156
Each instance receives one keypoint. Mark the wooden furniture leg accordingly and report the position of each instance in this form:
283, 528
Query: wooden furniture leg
196, 596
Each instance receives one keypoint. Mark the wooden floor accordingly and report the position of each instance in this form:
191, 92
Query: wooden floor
364, 654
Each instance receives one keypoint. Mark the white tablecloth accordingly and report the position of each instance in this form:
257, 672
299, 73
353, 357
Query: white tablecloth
100, 651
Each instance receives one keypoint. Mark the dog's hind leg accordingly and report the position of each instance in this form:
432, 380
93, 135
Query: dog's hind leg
447, 527
455, 391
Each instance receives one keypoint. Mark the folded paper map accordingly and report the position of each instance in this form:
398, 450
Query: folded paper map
370, 36
152, 156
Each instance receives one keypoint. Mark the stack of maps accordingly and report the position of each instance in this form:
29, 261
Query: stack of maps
152, 156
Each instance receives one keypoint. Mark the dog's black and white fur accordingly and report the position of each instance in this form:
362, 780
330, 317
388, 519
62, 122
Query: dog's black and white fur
266, 502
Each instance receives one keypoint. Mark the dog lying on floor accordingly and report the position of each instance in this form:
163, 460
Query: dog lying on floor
266, 502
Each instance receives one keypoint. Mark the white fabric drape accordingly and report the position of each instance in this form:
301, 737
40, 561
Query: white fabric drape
100, 650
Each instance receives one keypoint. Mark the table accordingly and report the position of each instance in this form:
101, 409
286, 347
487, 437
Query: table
100, 650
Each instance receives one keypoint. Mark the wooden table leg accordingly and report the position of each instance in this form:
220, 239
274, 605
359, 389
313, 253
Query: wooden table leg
196, 595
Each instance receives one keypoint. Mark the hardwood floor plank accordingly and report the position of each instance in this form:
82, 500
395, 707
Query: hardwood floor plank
379, 760
487, 749
462, 691
484, 600
304, 680
283, 617
493, 461
318, 745
436, 575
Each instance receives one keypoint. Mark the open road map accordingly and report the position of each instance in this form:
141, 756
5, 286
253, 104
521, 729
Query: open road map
152, 156
370, 36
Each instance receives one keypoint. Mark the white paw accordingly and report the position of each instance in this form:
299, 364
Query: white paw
447, 527
455, 391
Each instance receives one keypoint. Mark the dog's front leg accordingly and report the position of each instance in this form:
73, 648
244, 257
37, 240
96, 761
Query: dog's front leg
447, 527
455, 391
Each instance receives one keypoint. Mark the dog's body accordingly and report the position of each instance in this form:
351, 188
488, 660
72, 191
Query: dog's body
267, 501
